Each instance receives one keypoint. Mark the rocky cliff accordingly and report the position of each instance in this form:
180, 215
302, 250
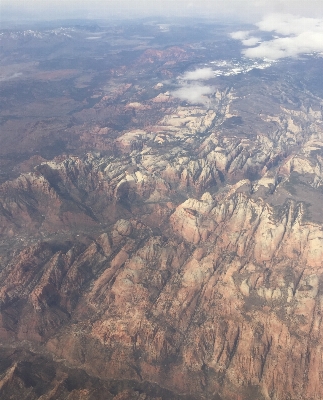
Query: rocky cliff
215, 295
229, 299
177, 253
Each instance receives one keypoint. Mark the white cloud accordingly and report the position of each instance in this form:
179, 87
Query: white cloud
240, 35
288, 24
193, 93
296, 36
198, 74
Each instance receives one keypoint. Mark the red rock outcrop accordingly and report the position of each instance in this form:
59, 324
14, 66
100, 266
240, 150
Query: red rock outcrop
181, 245
215, 310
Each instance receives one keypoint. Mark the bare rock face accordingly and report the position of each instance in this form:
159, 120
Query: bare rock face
212, 310
169, 250
123, 227
169, 267
130, 141
190, 221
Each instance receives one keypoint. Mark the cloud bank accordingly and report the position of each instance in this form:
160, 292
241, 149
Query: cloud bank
294, 36
198, 74
192, 90
193, 93
240, 35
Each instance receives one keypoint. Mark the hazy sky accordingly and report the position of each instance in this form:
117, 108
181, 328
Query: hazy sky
296, 25
248, 10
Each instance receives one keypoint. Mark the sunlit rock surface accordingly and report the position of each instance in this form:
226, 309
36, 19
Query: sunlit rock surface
160, 247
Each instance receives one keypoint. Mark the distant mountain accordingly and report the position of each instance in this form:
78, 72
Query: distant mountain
160, 230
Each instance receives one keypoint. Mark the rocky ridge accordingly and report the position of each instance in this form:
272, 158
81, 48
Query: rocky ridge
179, 257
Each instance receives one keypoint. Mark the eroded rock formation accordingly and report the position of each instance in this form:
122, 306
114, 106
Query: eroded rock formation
177, 255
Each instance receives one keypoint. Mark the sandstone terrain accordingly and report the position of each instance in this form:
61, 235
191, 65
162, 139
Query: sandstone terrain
158, 248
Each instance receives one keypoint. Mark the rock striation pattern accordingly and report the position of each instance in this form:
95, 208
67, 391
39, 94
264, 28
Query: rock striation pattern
226, 300
179, 257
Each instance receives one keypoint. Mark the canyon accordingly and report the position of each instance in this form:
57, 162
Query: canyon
165, 249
